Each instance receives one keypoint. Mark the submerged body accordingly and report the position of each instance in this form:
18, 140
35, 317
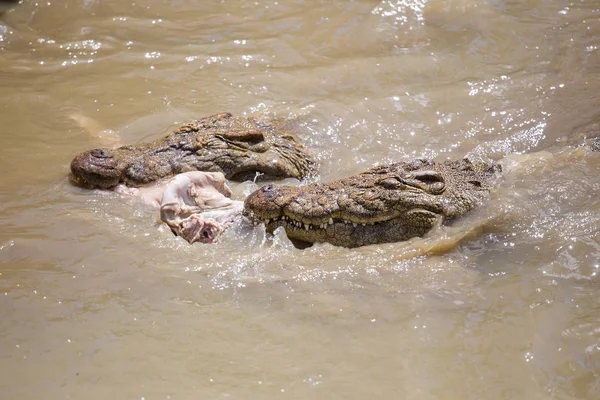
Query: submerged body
384, 204
238, 147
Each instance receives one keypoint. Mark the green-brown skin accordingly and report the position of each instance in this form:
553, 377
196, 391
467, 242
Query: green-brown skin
384, 204
238, 147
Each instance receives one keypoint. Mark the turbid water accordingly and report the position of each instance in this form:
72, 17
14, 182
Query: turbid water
99, 301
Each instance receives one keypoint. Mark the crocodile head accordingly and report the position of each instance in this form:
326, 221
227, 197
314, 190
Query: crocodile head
385, 204
96, 168
241, 148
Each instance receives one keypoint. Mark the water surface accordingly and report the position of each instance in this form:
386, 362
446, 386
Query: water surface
99, 301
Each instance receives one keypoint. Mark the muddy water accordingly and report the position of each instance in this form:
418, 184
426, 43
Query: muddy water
99, 301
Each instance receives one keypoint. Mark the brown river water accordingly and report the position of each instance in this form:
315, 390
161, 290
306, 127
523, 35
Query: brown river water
98, 301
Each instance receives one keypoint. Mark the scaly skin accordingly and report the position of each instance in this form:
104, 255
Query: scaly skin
237, 147
384, 204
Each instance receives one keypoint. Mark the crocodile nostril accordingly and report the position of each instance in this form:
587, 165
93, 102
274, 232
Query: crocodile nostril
99, 153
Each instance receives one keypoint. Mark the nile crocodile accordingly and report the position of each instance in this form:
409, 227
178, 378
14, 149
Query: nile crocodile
384, 204
238, 147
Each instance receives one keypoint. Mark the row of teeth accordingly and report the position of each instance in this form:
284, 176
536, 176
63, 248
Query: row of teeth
324, 225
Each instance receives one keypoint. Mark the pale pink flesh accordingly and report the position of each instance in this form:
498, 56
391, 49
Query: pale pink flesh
197, 207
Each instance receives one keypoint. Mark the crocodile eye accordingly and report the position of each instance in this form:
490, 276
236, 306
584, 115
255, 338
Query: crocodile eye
392, 183
244, 135
427, 176
429, 181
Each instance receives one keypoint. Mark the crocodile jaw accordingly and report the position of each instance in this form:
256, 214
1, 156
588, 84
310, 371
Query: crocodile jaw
275, 207
352, 234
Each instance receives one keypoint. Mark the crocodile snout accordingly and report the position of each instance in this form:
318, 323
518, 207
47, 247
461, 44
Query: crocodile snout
96, 169
266, 202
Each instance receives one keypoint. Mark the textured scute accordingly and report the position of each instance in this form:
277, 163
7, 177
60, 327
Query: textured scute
238, 147
384, 204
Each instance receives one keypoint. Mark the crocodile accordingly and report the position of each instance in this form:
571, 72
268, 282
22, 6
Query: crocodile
384, 204
240, 148
389, 203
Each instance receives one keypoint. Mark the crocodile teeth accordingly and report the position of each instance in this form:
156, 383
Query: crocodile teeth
354, 224
306, 226
363, 224
330, 221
